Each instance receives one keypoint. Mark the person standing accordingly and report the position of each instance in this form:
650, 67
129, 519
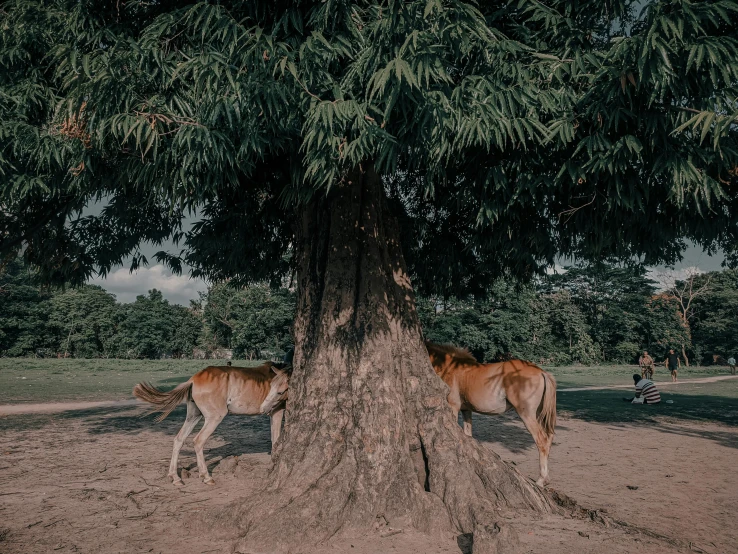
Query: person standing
673, 363
646, 363
731, 363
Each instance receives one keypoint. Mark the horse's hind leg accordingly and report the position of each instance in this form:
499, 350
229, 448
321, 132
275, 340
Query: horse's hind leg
193, 416
467, 414
543, 442
212, 420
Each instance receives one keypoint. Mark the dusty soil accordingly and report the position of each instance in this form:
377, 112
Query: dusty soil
94, 481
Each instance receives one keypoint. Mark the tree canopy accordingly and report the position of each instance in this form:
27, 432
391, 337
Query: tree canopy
506, 133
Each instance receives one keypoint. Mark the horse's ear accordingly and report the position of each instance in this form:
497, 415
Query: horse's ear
276, 370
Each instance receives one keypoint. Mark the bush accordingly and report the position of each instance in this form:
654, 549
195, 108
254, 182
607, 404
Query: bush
626, 352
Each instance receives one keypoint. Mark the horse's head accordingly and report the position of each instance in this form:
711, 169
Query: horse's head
277, 391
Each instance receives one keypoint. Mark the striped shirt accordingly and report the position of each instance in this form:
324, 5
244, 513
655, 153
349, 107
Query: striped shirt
648, 390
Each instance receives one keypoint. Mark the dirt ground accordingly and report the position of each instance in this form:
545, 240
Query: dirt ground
94, 481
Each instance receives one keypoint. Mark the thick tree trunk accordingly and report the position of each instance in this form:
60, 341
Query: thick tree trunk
368, 431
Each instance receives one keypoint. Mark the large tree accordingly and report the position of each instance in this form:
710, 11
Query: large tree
362, 144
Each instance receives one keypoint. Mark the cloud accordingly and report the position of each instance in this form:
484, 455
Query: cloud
665, 277
126, 286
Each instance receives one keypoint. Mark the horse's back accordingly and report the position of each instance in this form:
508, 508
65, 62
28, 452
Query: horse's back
238, 389
247, 388
494, 388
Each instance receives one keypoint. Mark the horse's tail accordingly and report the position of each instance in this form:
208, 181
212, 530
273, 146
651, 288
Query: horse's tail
165, 402
547, 413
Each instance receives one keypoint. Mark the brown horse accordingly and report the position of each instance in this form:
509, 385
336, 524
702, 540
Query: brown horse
496, 388
215, 392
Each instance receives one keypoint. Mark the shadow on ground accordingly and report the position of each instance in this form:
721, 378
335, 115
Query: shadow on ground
506, 429
250, 434
607, 406
243, 434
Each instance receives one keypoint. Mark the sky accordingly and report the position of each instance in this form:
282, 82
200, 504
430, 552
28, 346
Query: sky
126, 286
180, 289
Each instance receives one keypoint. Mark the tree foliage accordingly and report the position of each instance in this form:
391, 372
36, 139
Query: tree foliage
83, 322
715, 320
586, 315
506, 132
150, 327
255, 321
513, 322
24, 311
87, 322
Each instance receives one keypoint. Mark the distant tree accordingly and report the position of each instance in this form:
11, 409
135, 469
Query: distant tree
187, 328
613, 300
569, 331
685, 292
24, 312
145, 327
715, 314
455, 321
84, 321
664, 326
257, 320
507, 320
218, 305
498, 323
511, 320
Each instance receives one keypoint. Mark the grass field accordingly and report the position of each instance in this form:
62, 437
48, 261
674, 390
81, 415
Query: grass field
44, 380
39, 380
582, 376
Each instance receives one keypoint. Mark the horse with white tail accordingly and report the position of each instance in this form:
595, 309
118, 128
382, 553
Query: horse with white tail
496, 388
215, 392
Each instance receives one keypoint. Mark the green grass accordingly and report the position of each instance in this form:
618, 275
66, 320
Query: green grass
50, 380
32, 380
583, 376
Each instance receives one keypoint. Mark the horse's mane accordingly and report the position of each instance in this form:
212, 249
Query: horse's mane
461, 355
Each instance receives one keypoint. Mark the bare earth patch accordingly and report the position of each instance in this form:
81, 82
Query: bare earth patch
95, 481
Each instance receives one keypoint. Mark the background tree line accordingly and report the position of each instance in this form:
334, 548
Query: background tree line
585, 314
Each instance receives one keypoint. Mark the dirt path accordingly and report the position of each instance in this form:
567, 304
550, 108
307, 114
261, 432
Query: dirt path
659, 383
94, 480
55, 407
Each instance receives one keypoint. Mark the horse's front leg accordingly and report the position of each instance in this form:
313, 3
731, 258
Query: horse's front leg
467, 415
277, 417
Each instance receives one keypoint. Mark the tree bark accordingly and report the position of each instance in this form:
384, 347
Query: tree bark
368, 433
684, 355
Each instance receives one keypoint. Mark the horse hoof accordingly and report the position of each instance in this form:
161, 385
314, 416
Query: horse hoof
209, 481
542, 483
178, 483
